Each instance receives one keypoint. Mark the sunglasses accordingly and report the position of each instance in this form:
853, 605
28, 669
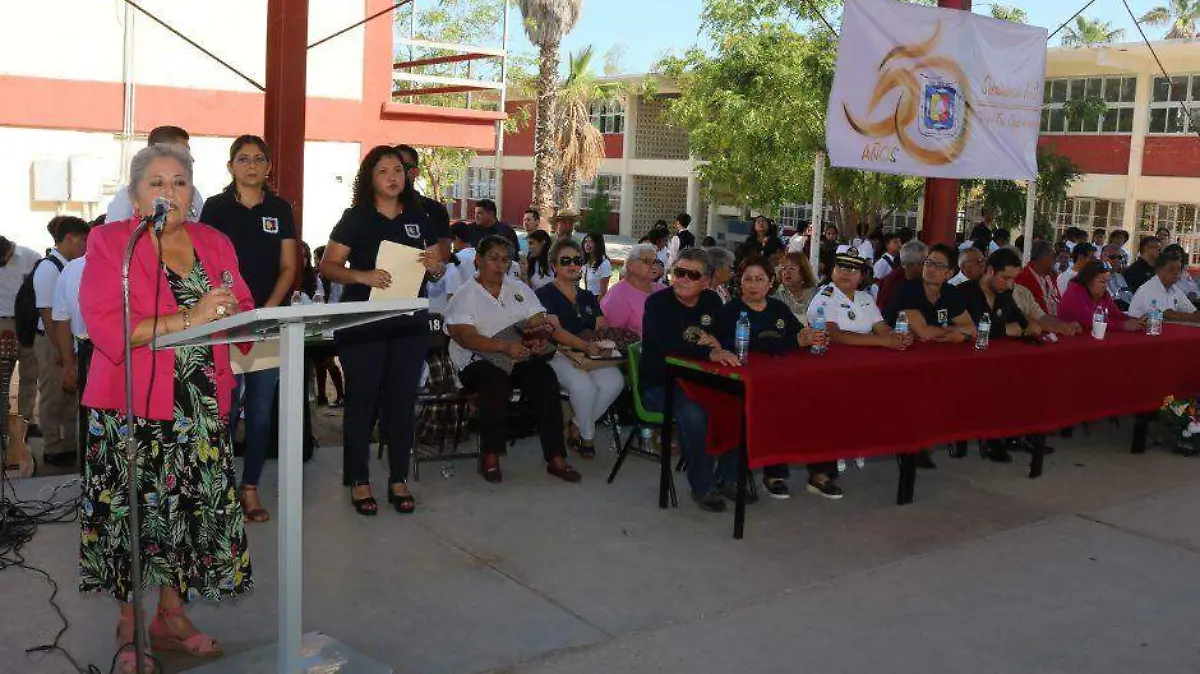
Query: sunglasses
691, 274
568, 261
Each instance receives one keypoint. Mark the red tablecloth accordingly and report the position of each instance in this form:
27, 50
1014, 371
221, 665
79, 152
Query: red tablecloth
860, 401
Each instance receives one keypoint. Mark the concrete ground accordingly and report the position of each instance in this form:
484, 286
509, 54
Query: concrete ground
1093, 568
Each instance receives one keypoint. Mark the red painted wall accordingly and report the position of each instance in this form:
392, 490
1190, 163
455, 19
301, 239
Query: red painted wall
614, 145
1175, 156
520, 144
1093, 153
518, 192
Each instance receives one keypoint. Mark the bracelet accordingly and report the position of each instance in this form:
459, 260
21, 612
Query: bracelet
186, 313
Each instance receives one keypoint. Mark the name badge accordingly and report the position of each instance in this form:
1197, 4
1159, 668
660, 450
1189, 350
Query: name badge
943, 317
271, 225
413, 231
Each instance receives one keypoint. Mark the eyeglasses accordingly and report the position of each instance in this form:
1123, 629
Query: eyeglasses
940, 266
568, 261
259, 160
691, 274
646, 260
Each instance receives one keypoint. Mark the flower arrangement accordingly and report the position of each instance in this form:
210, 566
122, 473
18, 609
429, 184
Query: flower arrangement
1179, 416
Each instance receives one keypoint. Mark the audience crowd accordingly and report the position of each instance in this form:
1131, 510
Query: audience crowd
550, 321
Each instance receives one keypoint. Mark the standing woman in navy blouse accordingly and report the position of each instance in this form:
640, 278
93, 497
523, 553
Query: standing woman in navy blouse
381, 361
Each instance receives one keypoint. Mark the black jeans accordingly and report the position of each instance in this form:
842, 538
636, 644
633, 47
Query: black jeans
83, 363
321, 357
493, 390
383, 365
781, 471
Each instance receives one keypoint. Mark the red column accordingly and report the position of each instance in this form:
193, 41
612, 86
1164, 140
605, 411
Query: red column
287, 70
941, 196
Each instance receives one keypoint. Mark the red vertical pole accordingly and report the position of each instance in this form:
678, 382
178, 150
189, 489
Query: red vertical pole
287, 72
941, 195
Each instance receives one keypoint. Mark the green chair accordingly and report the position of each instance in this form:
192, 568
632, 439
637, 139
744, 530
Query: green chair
646, 420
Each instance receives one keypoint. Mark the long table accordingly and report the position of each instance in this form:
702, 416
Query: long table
859, 401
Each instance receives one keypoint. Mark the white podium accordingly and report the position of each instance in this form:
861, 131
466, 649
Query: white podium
296, 653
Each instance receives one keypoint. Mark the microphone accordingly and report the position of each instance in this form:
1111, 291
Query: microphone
159, 217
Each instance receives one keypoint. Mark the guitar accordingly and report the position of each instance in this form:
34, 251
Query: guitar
17, 458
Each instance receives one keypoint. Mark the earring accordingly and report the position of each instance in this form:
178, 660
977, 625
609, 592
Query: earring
192, 213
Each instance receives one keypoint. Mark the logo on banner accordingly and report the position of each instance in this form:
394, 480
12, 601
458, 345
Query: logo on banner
940, 109
931, 96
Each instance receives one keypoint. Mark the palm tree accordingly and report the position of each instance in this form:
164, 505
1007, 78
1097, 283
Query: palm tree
1181, 14
580, 144
546, 23
1090, 33
1006, 13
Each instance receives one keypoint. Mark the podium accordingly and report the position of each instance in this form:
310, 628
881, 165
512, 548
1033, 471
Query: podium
295, 653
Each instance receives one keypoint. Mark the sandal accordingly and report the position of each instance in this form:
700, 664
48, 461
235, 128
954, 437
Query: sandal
586, 450
405, 504
366, 506
257, 515
198, 645
127, 654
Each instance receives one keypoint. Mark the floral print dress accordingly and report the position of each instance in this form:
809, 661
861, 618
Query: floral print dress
193, 536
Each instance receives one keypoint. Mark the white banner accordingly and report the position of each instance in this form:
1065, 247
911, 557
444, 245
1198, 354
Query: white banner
939, 93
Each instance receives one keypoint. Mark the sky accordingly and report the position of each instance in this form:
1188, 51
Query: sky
647, 28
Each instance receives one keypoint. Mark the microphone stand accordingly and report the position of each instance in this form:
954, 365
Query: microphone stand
135, 534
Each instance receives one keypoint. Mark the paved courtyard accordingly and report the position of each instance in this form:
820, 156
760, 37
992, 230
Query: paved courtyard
1093, 568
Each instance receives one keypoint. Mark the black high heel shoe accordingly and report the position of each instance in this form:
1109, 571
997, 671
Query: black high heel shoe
367, 506
405, 504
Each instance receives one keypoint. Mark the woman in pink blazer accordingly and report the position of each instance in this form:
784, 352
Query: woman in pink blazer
193, 541
1089, 291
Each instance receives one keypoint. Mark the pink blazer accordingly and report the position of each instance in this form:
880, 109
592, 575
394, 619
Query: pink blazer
1077, 306
100, 303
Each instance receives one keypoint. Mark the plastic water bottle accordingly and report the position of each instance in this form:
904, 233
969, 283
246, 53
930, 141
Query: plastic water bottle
1155, 323
741, 338
319, 296
1099, 323
985, 333
902, 323
297, 298
818, 324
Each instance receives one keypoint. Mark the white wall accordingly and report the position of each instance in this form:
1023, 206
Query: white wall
82, 40
25, 220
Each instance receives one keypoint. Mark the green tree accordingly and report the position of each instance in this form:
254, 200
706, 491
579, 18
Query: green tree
1091, 33
598, 216
442, 167
579, 143
1181, 14
1005, 199
546, 23
1006, 13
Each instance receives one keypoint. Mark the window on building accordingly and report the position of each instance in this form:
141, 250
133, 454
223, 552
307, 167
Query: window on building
797, 215
481, 183
1117, 93
1088, 215
1181, 219
607, 184
1172, 102
608, 116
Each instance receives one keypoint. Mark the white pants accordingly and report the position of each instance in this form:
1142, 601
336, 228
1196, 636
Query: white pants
590, 392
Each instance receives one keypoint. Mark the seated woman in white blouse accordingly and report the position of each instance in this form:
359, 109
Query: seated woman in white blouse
851, 316
491, 365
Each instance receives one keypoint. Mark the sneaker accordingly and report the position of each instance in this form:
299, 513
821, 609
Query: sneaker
729, 491
777, 489
827, 489
712, 502
923, 460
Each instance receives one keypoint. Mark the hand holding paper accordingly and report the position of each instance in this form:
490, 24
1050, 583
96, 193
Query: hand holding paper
401, 268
